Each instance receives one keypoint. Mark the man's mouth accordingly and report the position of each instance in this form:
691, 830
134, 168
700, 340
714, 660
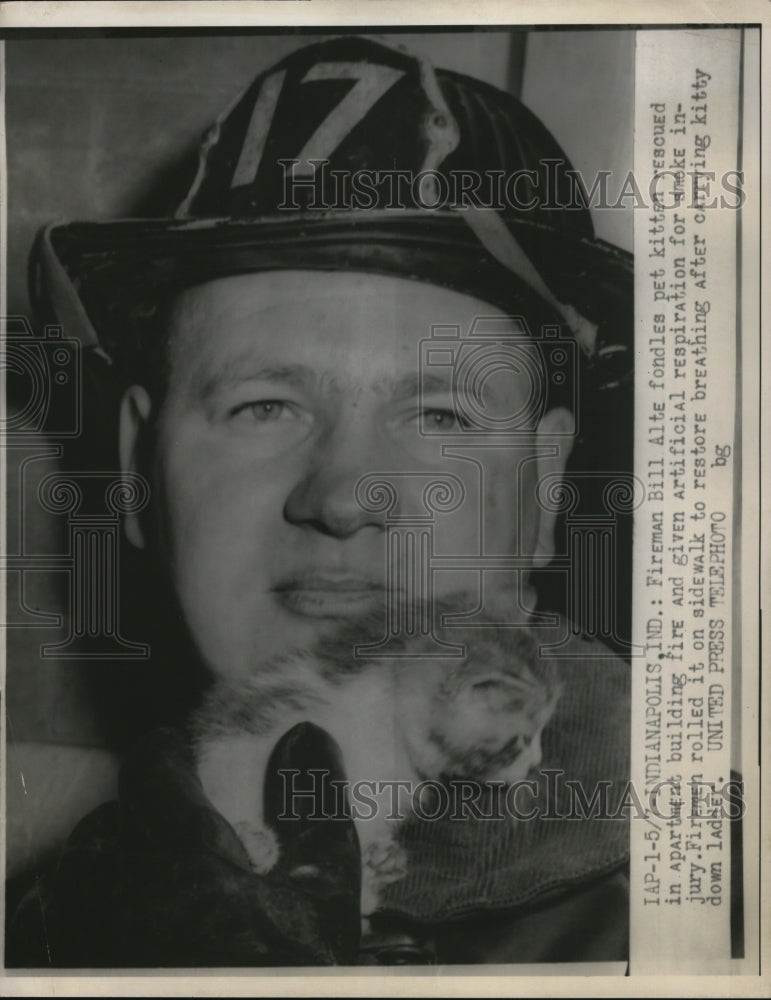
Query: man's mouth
330, 595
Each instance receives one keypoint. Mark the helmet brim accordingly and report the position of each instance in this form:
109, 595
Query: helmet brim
112, 266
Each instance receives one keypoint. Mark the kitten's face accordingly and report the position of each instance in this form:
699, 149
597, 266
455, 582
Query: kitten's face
478, 715
482, 714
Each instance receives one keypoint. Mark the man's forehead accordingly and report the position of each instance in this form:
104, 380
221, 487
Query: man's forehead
369, 326
313, 292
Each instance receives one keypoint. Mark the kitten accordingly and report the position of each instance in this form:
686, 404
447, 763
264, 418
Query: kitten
409, 718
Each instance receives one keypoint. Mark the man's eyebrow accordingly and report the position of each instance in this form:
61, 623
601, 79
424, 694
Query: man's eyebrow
412, 385
237, 371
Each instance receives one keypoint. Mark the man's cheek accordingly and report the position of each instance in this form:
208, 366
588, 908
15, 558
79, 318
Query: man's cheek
221, 504
494, 517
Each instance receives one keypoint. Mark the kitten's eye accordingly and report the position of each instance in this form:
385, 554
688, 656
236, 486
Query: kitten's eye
489, 686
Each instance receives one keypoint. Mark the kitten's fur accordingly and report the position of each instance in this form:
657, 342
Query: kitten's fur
408, 718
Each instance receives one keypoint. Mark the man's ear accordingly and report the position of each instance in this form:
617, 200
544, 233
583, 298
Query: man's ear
135, 410
553, 434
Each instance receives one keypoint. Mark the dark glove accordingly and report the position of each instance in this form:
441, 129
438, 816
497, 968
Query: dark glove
160, 878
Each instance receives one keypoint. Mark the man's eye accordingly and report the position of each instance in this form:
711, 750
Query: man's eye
264, 411
443, 420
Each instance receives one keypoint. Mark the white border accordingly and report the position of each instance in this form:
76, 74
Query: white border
494, 981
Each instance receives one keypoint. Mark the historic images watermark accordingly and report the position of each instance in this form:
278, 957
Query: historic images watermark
546, 794
315, 185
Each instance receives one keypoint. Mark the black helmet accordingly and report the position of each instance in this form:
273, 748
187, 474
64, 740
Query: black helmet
356, 155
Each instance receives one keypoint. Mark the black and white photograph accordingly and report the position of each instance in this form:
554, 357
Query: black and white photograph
381, 543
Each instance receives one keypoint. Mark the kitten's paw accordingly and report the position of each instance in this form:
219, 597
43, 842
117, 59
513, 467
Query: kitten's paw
261, 845
369, 894
386, 860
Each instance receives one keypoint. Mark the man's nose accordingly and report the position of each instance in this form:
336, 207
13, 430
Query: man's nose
325, 497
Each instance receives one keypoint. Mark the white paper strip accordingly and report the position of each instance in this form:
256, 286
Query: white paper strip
686, 131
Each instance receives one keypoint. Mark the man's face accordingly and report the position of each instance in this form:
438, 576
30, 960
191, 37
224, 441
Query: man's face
286, 389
